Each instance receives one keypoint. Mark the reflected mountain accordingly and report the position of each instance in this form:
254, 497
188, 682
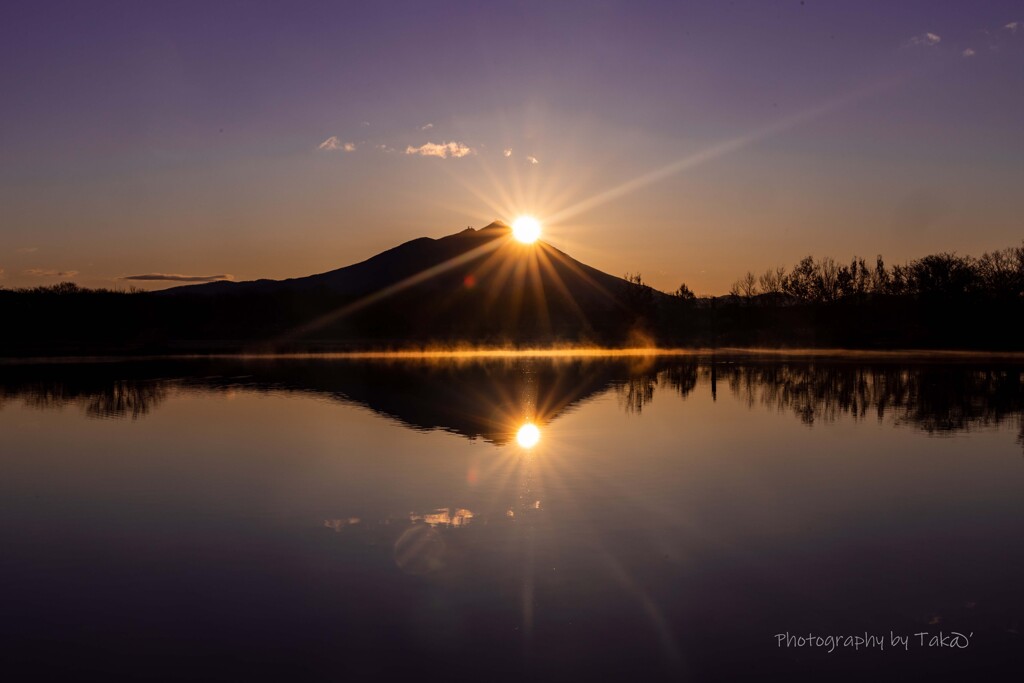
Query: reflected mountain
489, 399
492, 398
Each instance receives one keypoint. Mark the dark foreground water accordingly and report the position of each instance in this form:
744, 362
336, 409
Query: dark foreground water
656, 519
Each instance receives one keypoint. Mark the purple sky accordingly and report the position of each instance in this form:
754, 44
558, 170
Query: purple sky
688, 141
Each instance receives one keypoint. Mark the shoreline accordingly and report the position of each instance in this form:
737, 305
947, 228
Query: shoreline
724, 353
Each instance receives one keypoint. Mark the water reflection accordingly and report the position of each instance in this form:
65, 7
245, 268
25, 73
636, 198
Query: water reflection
443, 517
528, 435
598, 519
340, 524
100, 396
504, 400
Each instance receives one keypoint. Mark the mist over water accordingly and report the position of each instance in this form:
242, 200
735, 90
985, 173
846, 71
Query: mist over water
633, 517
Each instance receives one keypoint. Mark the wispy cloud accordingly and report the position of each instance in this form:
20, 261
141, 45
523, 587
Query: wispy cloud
46, 272
924, 40
330, 144
1013, 26
969, 52
443, 150
175, 277
508, 152
532, 160
426, 126
333, 144
27, 250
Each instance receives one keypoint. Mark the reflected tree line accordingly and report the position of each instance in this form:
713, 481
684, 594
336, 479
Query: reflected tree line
936, 398
489, 399
114, 399
933, 398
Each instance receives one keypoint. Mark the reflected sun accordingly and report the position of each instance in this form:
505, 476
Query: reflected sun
528, 435
526, 229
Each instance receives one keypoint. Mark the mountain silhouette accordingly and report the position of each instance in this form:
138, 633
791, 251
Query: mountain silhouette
482, 254
482, 288
473, 286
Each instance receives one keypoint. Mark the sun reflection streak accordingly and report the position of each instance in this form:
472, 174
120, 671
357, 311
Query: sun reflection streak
528, 435
560, 467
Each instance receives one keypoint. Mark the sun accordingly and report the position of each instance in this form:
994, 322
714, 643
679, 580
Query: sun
526, 229
528, 435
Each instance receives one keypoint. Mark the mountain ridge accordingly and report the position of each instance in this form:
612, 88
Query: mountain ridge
479, 286
401, 261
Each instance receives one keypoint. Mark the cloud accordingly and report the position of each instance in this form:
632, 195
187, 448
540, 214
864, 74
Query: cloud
969, 52
43, 272
508, 152
444, 150
330, 144
426, 126
1013, 26
339, 524
333, 144
924, 40
27, 250
532, 160
175, 277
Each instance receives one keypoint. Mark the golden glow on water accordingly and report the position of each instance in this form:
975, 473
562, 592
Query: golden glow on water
444, 517
459, 352
528, 435
526, 229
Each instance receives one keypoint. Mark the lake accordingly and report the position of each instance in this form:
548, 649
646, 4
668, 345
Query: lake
679, 517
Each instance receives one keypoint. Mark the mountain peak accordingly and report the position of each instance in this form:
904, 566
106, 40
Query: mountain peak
497, 224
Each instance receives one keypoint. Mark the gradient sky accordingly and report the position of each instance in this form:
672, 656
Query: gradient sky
686, 141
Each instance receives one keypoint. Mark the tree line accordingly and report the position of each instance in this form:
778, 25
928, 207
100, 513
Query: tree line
938, 301
996, 274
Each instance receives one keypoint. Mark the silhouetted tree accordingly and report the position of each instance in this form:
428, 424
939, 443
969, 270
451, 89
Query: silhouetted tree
638, 298
944, 275
800, 281
684, 293
746, 286
772, 280
880, 280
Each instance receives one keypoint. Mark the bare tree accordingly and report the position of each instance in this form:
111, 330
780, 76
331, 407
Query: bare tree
827, 279
772, 280
748, 285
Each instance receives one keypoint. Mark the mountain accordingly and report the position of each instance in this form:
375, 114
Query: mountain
482, 253
474, 286
483, 288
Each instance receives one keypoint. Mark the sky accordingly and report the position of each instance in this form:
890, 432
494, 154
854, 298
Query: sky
146, 144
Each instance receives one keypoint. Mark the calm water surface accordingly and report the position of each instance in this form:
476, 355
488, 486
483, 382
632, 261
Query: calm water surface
657, 518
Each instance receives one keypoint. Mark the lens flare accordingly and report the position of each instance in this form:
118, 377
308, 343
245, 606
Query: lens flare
528, 435
526, 229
